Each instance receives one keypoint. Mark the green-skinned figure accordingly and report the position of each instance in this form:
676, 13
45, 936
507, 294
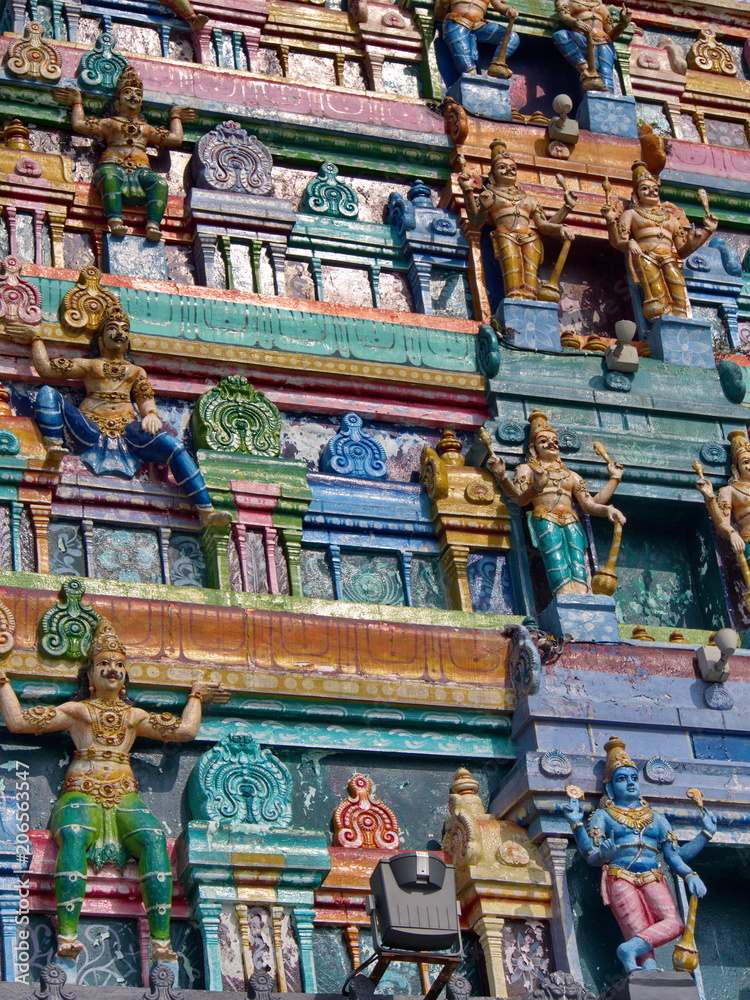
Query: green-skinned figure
124, 175
99, 814
549, 486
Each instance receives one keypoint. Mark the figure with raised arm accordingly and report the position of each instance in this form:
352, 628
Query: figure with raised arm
545, 482
99, 814
625, 837
586, 40
124, 175
465, 25
117, 426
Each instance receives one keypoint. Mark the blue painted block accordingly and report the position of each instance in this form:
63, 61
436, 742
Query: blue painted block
682, 341
134, 256
528, 323
484, 96
609, 114
585, 617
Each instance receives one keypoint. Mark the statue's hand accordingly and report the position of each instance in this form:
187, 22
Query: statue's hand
571, 198
511, 13
609, 213
67, 95
184, 113
626, 16
710, 223
567, 234
736, 541
465, 181
573, 811
607, 849
539, 477
496, 466
151, 423
615, 471
635, 248
615, 516
705, 488
695, 886
19, 332
710, 825
211, 692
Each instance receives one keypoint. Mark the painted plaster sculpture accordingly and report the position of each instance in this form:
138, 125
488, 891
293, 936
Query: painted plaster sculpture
124, 175
545, 482
519, 220
185, 10
625, 837
656, 238
586, 40
99, 814
732, 504
117, 426
465, 25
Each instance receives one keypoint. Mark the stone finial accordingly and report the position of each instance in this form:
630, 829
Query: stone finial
449, 448
161, 984
233, 417
229, 159
238, 782
364, 821
101, 67
261, 985
354, 452
66, 629
327, 194
711, 56
33, 58
52, 981
16, 135
19, 299
83, 307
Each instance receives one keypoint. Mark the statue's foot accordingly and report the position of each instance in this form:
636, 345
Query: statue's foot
629, 951
55, 450
650, 965
153, 233
161, 951
500, 70
117, 227
592, 81
198, 22
68, 947
217, 518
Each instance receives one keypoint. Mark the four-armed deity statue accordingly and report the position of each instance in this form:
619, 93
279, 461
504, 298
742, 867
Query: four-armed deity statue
545, 482
625, 837
587, 38
99, 815
105, 430
124, 175
656, 238
465, 25
518, 220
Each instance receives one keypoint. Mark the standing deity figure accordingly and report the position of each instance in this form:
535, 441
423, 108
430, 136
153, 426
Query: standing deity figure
545, 482
732, 504
124, 174
518, 219
99, 814
656, 238
465, 25
624, 838
586, 41
185, 10
105, 429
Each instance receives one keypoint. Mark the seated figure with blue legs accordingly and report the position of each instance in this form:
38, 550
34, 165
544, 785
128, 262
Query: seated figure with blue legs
124, 175
465, 25
625, 838
105, 429
586, 40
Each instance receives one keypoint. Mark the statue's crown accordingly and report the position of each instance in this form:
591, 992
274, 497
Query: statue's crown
105, 638
499, 151
128, 78
537, 423
739, 444
114, 312
617, 756
640, 170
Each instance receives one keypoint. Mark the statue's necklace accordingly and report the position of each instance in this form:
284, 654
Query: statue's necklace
656, 215
108, 721
637, 818
115, 370
510, 194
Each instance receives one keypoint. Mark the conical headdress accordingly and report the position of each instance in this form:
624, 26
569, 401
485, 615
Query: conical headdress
105, 637
537, 423
640, 170
499, 151
617, 756
114, 311
739, 443
128, 78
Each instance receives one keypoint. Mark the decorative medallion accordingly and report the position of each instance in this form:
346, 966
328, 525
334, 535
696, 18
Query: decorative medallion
33, 58
233, 417
711, 56
83, 307
513, 854
568, 440
364, 821
67, 628
19, 299
555, 764
229, 159
718, 698
524, 661
487, 351
511, 432
327, 194
659, 771
713, 453
354, 452
101, 67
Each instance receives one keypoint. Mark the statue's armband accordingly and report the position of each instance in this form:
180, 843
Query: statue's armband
39, 717
62, 367
164, 724
142, 389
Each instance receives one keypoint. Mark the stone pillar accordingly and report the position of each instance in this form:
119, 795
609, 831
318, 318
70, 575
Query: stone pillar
215, 548
209, 914
303, 919
562, 932
490, 932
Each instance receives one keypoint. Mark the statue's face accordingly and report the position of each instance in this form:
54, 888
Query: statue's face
743, 466
504, 171
648, 191
547, 445
115, 336
130, 99
107, 672
625, 787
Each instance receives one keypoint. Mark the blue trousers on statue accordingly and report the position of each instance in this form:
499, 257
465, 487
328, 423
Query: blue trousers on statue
122, 455
573, 45
463, 43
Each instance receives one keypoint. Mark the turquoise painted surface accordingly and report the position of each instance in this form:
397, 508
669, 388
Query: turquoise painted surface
243, 324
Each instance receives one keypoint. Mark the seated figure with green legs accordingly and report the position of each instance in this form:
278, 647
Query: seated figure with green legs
549, 486
625, 837
124, 175
99, 814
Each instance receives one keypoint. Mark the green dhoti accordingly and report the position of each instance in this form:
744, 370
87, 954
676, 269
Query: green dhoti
117, 186
563, 551
83, 827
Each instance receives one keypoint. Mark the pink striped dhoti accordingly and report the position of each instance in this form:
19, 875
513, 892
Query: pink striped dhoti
646, 911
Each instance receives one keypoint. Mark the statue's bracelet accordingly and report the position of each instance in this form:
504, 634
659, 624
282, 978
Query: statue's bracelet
196, 694
3, 681
708, 834
576, 826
